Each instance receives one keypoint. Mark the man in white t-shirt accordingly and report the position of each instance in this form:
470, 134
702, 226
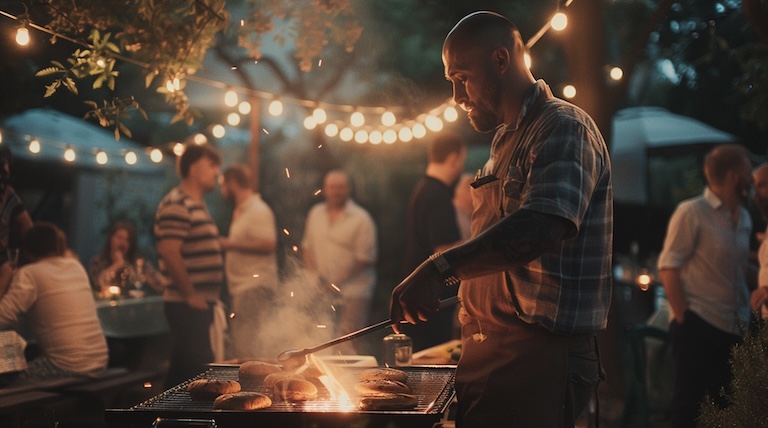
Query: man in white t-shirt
54, 293
250, 262
339, 248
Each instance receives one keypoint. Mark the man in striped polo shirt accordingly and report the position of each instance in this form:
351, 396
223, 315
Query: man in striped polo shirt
188, 246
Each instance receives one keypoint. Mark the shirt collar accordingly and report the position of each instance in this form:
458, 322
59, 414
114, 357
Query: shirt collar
712, 199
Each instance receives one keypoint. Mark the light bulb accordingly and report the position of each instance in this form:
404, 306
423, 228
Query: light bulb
199, 139
433, 123
70, 155
156, 155
388, 118
361, 136
319, 115
275, 108
34, 146
450, 114
616, 73
375, 137
310, 123
405, 134
218, 131
131, 158
390, 136
331, 130
419, 131
559, 21
569, 91
357, 119
178, 149
346, 134
22, 36
101, 157
244, 107
233, 119
230, 98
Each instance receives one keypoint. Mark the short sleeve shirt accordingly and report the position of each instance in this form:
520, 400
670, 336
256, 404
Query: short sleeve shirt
180, 217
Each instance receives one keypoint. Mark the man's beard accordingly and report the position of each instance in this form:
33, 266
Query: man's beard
485, 118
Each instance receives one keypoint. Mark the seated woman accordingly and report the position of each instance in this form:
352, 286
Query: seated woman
53, 293
120, 265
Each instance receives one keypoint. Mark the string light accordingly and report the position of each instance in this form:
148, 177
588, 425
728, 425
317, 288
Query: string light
275, 108
199, 139
559, 21
230, 98
569, 91
34, 146
375, 137
233, 119
319, 115
616, 73
407, 130
178, 149
361, 136
69, 154
156, 155
244, 107
22, 36
450, 114
101, 157
331, 130
357, 119
388, 118
419, 131
310, 123
346, 134
131, 158
218, 131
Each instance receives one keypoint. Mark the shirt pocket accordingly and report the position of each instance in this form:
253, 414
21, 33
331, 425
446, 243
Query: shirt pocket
513, 184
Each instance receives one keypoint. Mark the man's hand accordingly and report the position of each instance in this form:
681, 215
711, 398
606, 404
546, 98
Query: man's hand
196, 301
417, 297
759, 298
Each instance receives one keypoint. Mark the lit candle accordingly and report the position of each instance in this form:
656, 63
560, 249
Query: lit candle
114, 290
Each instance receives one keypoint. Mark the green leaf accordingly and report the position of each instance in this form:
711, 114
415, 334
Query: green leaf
111, 83
51, 89
148, 80
48, 71
117, 134
58, 64
69, 84
124, 129
99, 82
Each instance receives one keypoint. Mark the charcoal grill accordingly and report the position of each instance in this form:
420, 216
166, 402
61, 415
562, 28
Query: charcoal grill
432, 385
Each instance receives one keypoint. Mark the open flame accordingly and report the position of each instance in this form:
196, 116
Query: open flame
339, 396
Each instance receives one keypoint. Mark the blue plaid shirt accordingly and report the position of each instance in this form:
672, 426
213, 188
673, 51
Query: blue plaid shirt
561, 167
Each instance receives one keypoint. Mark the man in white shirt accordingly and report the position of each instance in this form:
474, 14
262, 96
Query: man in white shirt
339, 248
54, 293
250, 262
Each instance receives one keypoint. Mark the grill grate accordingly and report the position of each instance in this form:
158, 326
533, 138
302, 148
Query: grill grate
432, 385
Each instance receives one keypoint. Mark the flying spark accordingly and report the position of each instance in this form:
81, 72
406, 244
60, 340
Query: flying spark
287, 173
336, 288
295, 249
321, 326
287, 233
317, 192
265, 131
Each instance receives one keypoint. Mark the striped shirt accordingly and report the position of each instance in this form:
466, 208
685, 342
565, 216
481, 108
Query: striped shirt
559, 165
180, 217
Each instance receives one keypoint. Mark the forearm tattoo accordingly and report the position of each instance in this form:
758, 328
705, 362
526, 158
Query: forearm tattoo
515, 240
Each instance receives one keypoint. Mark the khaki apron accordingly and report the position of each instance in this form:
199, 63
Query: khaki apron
515, 374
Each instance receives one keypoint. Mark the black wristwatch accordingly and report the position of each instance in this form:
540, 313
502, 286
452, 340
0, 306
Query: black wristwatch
445, 269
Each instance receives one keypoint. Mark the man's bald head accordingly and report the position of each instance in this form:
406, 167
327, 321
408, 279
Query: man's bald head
483, 30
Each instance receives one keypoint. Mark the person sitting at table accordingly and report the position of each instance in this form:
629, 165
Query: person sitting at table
119, 264
54, 294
